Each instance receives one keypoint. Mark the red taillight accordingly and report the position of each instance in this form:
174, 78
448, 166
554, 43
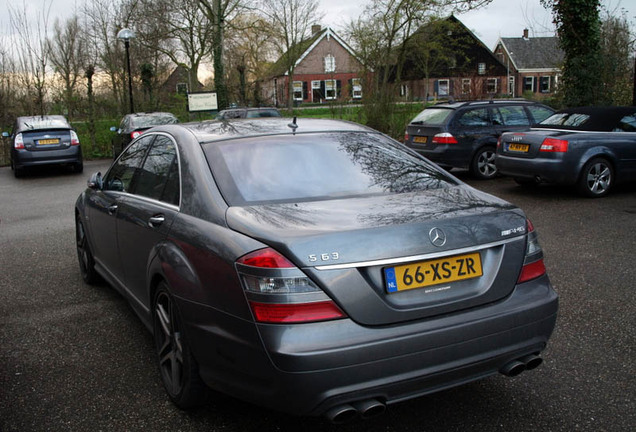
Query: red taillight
74, 139
296, 312
265, 258
532, 271
18, 142
444, 138
135, 134
536, 268
406, 137
554, 145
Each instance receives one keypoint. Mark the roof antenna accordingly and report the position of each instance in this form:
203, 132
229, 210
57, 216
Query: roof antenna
293, 126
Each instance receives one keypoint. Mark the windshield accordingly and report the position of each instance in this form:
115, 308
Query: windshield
44, 122
307, 167
433, 116
153, 120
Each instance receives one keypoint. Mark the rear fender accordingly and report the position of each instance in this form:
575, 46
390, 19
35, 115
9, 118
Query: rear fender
600, 151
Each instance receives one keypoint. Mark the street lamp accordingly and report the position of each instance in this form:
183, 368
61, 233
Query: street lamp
126, 35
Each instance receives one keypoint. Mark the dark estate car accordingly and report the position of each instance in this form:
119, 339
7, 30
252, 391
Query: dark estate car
235, 113
464, 134
315, 267
44, 140
133, 125
590, 147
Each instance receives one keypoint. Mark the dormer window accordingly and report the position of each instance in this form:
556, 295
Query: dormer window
330, 64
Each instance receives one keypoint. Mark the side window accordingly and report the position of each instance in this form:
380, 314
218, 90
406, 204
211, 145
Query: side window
514, 116
539, 113
627, 124
159, 169
120, 175
474, 117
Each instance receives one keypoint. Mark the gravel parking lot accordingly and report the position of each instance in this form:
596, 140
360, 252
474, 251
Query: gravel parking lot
75, 357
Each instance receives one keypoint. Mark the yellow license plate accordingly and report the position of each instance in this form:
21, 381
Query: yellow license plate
519, 147
433, 272
420, 139
48, 141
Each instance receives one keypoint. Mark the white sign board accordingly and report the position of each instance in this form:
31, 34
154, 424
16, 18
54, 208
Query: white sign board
204, 101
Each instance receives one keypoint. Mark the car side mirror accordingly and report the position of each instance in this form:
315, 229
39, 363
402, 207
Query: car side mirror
5, 134
113, 129
95, 181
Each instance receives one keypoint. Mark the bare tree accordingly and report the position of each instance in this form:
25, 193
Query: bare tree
291, 22
67, 53
34, 56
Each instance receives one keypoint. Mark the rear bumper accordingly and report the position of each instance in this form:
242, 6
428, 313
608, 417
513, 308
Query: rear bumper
308, 369
26, 158
540, 170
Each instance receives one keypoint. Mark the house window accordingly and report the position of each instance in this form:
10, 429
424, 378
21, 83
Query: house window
317, 93
330, 64
442, 87
481, 68
511, 85
528, 84
404, 90
298, 91
544, 84
182, 88
356, 88
465, 85
491, 85
330, 89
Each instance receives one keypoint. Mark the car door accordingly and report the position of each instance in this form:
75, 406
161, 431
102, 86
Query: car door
104, 206
510, 119
146, 215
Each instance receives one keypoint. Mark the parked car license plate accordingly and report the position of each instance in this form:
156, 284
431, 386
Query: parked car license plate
438, 271
48, 141
519, 147
420, 139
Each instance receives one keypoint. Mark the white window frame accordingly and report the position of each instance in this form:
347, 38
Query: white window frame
541, 78
298, 85
446, 84
531, 80
330, 63
493, 82
511, 85
331, 86
356, 88
466, 85
404, 90
481, 68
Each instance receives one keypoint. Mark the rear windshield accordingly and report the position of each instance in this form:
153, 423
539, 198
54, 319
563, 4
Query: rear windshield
433, 116
153, 120
574, 120
262, 113
306, 167
34, 123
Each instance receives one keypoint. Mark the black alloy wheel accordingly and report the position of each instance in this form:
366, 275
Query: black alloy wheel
483, 164
84, 254
179, 371
597, 178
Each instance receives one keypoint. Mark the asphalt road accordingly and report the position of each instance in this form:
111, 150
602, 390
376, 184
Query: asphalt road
76, 358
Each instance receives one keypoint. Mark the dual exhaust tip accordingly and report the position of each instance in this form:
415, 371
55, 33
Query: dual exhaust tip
365, 409
520, 365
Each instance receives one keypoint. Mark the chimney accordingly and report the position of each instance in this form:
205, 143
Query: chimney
525, 34
315, 29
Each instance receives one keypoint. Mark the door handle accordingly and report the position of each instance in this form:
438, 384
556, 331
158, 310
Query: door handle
156, 220
112, 209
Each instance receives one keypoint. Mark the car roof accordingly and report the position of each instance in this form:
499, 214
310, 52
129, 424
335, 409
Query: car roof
489, 102
602, 119
217, 130
150, 114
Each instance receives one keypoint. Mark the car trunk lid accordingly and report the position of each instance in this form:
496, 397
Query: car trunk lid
43, 140
351, 247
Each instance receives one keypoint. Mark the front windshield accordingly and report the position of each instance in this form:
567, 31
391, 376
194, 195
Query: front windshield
306, 167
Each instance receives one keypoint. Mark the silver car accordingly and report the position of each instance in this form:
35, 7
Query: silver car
315, 267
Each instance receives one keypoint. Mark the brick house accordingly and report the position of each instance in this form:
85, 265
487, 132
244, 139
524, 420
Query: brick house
328, 70
534, 64
446, 60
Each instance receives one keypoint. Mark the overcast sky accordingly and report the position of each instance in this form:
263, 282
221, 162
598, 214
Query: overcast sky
501, 18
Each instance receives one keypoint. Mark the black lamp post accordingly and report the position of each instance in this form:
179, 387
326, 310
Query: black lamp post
126, 35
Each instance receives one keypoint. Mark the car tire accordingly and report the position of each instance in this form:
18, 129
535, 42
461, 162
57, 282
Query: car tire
78, 168
596, 178
483, 164
178, 368
84, 254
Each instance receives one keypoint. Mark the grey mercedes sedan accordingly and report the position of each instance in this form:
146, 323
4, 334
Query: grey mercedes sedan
315, 267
